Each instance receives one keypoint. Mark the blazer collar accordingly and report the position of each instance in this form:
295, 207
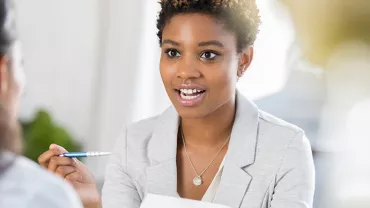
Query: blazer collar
162, 174
235, 178
163, 144
242, 147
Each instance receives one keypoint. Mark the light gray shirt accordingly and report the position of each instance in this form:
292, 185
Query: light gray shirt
268, 164
26, 185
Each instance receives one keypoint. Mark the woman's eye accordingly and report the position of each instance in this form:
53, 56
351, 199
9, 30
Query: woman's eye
208, 55
172, 53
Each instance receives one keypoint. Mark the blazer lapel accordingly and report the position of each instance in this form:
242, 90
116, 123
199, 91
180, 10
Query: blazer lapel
162, 173
162, 147
162, 179
241, 153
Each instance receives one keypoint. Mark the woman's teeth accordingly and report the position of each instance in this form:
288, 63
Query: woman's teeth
190, 91
189, 94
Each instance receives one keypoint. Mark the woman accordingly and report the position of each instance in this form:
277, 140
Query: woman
213, 144
18, 175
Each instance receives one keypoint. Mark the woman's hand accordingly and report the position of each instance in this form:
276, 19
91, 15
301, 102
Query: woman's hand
73, 171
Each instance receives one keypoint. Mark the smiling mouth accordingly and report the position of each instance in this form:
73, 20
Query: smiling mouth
190, 94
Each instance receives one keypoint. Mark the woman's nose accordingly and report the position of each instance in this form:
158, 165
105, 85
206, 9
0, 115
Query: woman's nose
188, 68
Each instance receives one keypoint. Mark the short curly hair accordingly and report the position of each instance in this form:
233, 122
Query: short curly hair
239, 16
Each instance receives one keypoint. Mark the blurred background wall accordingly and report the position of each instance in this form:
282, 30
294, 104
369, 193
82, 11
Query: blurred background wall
62, 46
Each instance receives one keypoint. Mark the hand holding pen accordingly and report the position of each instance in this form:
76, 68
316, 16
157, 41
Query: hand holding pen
66, 165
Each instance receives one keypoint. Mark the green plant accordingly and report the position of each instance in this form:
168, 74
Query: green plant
42, 131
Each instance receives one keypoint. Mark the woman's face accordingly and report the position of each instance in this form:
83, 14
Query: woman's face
200, 64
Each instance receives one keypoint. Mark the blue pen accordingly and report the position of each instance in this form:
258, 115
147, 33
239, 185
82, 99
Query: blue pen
84, 154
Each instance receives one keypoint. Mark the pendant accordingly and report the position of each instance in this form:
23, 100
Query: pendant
197, 180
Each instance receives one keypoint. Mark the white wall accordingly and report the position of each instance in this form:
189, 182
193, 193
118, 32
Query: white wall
117, 92
60, 41
152, 97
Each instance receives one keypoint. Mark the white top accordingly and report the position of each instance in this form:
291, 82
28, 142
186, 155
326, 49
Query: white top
25, 184
212, 189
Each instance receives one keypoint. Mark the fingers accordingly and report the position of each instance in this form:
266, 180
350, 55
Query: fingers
69, 174
73, 177
56, 161
54, 150
44, 158
63, 171
60, 148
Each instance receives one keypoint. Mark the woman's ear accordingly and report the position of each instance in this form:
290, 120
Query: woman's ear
245, 60
4, 75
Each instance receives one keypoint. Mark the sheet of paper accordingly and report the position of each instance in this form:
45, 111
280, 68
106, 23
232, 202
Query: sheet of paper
155, 201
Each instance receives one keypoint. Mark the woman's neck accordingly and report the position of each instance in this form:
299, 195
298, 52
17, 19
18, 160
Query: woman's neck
210, 130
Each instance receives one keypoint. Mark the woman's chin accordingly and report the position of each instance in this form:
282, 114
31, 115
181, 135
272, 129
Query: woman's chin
192, 113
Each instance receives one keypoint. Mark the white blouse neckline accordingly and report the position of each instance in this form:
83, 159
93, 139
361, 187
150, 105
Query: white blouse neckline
212, 189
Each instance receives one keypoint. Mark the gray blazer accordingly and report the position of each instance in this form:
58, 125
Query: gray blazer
268, 164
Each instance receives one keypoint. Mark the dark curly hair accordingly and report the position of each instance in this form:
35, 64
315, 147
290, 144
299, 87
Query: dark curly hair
239, 16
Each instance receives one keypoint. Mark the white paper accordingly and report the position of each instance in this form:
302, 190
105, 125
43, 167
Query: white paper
155, 201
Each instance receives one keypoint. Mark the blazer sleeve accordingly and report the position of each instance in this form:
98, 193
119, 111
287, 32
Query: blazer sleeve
119, 189
295, 180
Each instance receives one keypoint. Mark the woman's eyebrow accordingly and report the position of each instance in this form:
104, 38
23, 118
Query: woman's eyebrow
211, 42
170, 42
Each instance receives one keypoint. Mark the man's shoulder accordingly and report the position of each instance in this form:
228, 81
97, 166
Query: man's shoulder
27, 180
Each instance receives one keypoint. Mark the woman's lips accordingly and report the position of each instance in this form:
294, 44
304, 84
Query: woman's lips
190, 97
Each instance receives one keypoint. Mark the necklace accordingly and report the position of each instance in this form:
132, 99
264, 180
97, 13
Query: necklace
197, 181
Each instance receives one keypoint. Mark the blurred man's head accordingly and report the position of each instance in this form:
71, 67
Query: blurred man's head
11, 79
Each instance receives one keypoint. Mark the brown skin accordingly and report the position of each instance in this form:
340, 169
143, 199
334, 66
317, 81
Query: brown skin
205, 126
9, 97
9, 88
185, 59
